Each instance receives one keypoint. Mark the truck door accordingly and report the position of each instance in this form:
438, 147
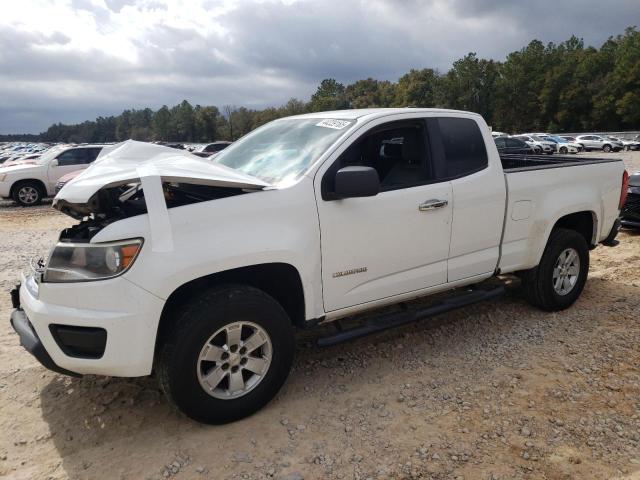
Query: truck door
396, 241
479, 194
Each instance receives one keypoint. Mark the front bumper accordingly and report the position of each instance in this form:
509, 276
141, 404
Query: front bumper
127, 314
5, 189
31, 342
630, 215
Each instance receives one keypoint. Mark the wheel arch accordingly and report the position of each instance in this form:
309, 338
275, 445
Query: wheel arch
39, 183
584, 222
282, 281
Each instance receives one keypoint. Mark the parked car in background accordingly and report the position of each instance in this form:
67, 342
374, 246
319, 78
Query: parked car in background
630, 215
214, 147
627, 145
512, 145
66, 178
597, 142
563, 145
499, 134
540, 145
28, 183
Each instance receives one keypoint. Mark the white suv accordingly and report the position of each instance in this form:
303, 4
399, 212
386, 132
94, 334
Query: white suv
28, 183
596, 142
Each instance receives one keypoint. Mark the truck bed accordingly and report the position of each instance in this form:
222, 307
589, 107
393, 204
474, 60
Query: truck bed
522, 162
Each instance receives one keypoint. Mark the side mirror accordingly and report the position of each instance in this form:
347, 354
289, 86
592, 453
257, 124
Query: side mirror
356, 182
54, 162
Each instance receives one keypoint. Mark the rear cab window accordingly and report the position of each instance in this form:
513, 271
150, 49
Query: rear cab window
463, 147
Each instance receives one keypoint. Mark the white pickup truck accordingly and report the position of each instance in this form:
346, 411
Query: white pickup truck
199, 270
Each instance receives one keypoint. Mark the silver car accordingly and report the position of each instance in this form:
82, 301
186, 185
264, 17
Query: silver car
597, 142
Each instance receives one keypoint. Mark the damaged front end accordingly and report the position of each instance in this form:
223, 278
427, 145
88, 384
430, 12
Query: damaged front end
113, 204
135, 178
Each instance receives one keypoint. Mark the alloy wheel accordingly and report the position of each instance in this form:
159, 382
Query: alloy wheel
234, 360
28, 195
566, 271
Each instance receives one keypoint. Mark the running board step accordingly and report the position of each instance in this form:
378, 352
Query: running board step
396, 319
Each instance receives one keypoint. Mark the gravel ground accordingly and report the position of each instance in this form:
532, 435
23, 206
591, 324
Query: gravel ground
499, 390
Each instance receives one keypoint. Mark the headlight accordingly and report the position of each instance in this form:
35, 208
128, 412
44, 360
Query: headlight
83, 262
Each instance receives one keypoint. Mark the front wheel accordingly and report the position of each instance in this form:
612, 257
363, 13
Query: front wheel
606, 148
563, 150
558, 280
27, 194
228, 354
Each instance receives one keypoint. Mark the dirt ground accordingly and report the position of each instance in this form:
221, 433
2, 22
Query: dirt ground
499, 390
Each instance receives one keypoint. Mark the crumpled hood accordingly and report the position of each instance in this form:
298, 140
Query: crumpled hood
131, 161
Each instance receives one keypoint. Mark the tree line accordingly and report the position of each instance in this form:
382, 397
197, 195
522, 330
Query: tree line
552, 87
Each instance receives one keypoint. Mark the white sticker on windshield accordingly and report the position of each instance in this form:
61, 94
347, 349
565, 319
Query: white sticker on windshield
336, 124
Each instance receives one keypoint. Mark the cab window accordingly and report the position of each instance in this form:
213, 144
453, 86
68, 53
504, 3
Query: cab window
397, 151
463, 144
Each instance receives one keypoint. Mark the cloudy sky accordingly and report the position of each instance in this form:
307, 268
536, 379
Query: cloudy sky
72, 60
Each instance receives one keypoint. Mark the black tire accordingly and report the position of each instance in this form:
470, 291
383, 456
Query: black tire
27, 193
538, 282
626, 148
178, 361
563, 150
606, 148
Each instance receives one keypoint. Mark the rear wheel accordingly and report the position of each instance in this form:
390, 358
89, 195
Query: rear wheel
557, 282
563, 150
606, 148
27, 194
228, 354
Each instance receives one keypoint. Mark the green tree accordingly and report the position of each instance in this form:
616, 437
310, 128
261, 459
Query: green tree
330, 95
470, 85
183, 122
205, 123
161, 124
417, 88
370, 93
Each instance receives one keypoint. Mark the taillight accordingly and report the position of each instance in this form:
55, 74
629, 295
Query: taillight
625, 189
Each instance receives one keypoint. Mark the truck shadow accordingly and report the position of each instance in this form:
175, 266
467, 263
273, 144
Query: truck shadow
93, 415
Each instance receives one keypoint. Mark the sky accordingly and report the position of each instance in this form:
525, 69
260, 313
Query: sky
73, 60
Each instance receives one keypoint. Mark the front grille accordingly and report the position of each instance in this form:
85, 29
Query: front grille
633, 202
631, 207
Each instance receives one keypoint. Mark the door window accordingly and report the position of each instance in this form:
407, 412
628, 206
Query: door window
515, 143
76, 156
92, 154
397, 151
